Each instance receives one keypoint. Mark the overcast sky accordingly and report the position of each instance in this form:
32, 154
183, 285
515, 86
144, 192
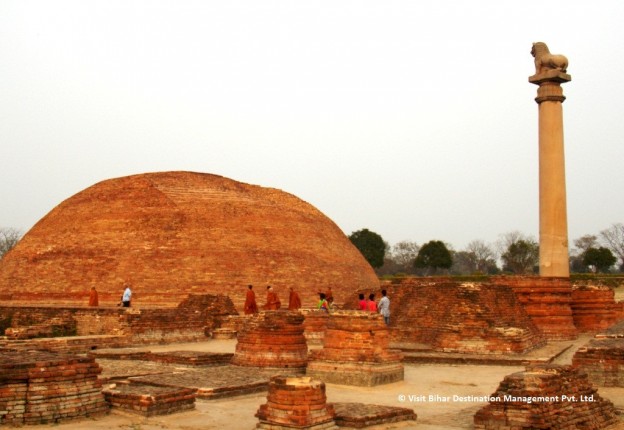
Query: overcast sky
414, 119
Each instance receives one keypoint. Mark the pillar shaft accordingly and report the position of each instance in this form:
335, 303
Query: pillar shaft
553, 241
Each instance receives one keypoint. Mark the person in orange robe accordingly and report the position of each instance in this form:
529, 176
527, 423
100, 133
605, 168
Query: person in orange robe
93, 297
250, 302
273, 302
294, 302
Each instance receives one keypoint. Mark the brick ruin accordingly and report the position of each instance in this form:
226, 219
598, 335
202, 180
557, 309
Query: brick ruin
602, 358
194, 318
314, 325
468, 317
547, 301
170, 234
149, 401
544, 397
356, 351
296, 402
38, 387
594, 307
272, 339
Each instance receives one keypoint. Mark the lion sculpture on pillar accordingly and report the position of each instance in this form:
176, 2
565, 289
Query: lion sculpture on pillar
545, 61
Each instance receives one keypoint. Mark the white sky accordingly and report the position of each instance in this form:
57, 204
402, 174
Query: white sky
414, 119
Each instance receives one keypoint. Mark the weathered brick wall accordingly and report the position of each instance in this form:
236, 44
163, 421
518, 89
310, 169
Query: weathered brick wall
40, 387
594, 306
172, 234
465, 317
547, 300
582, 408
190, 321
603, 361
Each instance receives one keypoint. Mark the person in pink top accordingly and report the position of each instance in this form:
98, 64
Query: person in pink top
363, 306
372, 306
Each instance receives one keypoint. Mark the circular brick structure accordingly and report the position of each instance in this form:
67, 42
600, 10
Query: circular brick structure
173, 233
272, 339
296, 402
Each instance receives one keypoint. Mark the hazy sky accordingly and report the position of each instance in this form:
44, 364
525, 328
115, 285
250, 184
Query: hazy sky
414, 119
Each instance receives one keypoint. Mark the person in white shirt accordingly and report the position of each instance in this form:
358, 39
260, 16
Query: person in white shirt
127, 296
384, 307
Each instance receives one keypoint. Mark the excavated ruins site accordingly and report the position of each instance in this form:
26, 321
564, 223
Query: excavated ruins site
497, 353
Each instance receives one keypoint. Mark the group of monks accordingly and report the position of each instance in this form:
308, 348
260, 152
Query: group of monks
273, 302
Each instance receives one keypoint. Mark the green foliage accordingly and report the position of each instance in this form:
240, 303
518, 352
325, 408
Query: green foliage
521, 256
601, 258
371, 245
433, 255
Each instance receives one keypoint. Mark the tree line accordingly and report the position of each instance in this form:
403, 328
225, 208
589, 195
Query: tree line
513, 252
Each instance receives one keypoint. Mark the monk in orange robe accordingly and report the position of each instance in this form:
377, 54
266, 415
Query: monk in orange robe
93, 297
294, 302
273, 302
250, 302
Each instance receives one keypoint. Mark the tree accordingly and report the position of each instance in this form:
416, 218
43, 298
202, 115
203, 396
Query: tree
8, 239
600, 258
521, 256
371, 245
464, 263
433, 255
484, 255
613, 238
404, 253
582, 244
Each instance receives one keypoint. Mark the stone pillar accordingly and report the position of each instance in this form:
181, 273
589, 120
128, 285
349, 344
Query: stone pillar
550, 74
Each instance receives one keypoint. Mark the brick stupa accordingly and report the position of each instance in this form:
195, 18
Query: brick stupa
174, 233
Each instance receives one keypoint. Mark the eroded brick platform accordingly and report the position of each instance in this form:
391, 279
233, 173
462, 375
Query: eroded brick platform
296, 402
360, 415
460, 317
356, 351
39, 387
314, 325
149, 400
546, 397
228, 381
272, 339
603, 361
189, 358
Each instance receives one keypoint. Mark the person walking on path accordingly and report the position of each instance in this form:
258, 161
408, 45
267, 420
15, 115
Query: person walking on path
384, 307
251, 307
294, 301
126, 297
273, 302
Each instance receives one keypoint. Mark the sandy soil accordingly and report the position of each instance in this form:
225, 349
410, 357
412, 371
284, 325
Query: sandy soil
428, 389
